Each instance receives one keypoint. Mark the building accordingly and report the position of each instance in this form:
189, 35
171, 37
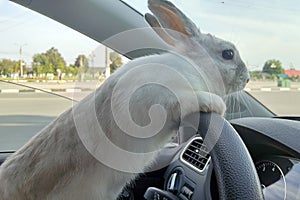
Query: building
292, 73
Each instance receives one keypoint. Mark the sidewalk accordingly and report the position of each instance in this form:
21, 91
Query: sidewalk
268, 86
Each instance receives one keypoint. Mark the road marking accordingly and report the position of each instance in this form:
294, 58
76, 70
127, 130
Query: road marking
9, 91
266, 89
247, 89
284, 89
73, 90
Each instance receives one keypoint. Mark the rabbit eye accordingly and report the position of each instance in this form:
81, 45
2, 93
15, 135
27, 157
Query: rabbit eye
228, 54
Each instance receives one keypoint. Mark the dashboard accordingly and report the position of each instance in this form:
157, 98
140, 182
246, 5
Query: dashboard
279, 177
274, 146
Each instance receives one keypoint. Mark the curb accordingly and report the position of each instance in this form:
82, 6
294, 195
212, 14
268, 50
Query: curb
271, 89
75, 90
16, 91
43, 81
10, 91
266, 89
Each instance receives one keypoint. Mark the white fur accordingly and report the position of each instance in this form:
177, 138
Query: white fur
58, 164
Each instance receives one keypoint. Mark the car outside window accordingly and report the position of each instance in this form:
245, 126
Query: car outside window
45, 68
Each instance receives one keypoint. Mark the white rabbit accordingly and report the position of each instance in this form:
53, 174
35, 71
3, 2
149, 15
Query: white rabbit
94, 149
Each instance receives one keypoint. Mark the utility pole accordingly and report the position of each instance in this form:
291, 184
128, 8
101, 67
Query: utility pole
92, 56
107, 69
82, 74
21, 58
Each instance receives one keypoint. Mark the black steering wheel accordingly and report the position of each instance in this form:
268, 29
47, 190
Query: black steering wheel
234, 169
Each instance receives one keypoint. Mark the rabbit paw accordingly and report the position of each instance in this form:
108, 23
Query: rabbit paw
209, 102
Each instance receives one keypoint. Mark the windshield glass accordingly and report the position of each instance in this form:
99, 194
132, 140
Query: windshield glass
40, 58
43, 54
24, 112
267, 36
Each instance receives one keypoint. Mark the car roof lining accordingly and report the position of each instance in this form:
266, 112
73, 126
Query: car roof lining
101, 12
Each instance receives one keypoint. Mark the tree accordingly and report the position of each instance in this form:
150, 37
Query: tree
116, 61
8, 66
82, 64
71, 69
255, 75
48, 62
273, 67
41, 64
81, 61
56, 60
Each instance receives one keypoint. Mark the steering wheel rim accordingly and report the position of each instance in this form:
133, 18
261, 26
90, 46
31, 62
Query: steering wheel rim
234, 169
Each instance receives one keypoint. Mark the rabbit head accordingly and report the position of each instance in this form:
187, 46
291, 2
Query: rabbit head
218, 58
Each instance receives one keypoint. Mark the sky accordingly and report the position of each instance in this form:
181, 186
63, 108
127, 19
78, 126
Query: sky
261, 30
36, 33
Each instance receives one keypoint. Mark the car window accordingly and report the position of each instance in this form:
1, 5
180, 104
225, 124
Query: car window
43, 54
266, 34
41, 59
24, 111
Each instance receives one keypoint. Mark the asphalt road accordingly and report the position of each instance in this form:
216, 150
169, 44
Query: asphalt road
22, 115
280, 102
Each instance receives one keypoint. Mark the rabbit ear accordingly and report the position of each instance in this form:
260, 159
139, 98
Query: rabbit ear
172, 18
152, 21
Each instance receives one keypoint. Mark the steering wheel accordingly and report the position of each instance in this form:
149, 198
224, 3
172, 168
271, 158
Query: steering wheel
234, 169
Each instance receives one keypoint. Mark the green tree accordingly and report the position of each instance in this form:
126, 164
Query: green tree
255, 75
71, 69
273, 67
41, 64
8, 66
116, 61
81, 61
56, 60
48, 62
82, 65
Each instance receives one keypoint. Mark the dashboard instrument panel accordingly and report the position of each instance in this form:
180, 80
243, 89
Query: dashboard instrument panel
279, 177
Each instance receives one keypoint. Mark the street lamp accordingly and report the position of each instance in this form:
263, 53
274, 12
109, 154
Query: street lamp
21, 57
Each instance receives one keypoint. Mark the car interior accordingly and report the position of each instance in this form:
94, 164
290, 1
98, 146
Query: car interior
257, 151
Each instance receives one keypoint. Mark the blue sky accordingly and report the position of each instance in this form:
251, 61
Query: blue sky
261, 30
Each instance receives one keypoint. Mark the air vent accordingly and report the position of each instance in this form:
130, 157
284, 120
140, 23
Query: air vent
196, 154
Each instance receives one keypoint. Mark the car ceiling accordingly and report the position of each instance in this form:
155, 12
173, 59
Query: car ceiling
100, 20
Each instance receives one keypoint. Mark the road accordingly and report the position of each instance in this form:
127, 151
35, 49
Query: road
280, 102
22, 115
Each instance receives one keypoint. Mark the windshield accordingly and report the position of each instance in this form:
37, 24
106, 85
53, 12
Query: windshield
24, 112
45, 68
43, 54
267, 36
